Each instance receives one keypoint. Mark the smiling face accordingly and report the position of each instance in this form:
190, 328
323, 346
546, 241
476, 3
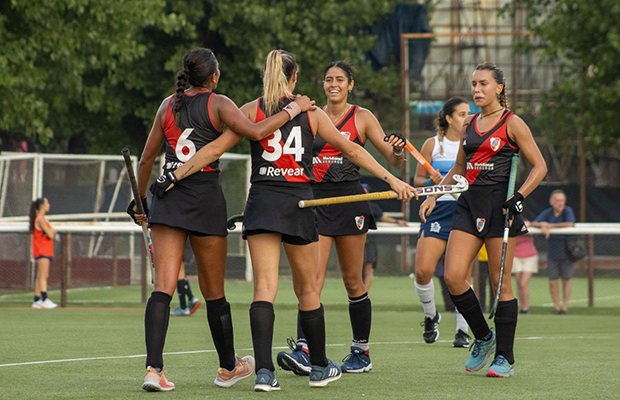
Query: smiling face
484, 88
336, 85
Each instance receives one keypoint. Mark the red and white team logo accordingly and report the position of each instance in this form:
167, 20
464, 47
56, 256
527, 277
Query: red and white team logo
480, 224
347, 135
359, 222
495, 143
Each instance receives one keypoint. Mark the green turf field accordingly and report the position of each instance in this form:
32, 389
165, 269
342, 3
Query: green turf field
93, 351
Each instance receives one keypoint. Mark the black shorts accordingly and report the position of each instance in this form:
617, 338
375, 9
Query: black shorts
479, 212
342, 219
273, 207
195, 204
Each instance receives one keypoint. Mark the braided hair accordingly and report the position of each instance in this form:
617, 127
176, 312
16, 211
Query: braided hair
498, 75
441, 123
198, 65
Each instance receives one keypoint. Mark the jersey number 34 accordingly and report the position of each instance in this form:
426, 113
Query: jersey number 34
293, 145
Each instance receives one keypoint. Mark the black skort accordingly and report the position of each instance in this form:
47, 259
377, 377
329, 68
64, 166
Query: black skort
479, 212
342, 219
195, 204
273, 207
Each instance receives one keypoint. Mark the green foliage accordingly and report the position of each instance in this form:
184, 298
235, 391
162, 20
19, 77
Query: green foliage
583, 38
93, 72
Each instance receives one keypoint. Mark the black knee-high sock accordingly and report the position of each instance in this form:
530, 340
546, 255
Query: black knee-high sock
155, 326
181, 292
505, 327
360, 312
313, 324
43, 296
262, 318
301, 337
468, 305
188, 289
220, 323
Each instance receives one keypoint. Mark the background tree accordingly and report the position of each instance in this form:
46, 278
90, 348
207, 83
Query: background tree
86, 75
583, 38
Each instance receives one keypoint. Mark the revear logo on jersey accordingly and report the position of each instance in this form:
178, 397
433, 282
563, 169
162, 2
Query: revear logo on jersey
495, 143
480, 224
359, 222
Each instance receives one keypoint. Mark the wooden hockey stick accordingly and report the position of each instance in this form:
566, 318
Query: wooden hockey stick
461, 186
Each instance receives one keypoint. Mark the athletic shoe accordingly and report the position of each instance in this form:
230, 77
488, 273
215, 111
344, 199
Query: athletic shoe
524, 311
266, 381
180, 312
501, 368
244, 367
556, 312
156, 381
461, 339
193, 305
48, 304
357, 361
321, 376
298, 360
481, 353
37, 305
431, 328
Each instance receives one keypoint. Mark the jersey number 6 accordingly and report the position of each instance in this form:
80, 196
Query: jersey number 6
183, 142
293, 145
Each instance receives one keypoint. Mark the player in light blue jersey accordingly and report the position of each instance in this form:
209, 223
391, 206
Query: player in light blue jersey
441, 151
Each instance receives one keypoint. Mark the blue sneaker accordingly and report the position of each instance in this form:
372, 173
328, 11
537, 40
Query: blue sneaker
193, 305
321, 376
297, 360
180, 312
501, 368
266, 381
481, 353
357, 361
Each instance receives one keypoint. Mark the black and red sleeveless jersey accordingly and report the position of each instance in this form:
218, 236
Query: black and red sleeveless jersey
489, 153
195, 130
329, 165
286, 154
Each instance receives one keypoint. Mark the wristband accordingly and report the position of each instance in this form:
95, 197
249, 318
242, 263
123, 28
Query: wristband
428, 182
293, 109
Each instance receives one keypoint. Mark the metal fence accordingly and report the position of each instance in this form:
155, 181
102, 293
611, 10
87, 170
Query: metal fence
112, 254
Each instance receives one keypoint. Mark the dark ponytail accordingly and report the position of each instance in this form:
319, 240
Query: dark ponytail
441, 123
198, 65
498, 75
34, 209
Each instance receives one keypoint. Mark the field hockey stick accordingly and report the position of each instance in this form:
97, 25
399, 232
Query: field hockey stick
461, 186
146, 234
420, 159
511, 189
230, 222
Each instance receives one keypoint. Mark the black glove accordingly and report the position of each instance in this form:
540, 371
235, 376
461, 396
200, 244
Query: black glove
395, 134
514, 204
132, 213
161, 184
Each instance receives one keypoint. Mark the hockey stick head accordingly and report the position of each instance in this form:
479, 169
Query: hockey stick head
461, 186
230, 222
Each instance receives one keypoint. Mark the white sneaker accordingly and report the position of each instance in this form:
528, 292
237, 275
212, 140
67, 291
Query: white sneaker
48, 304
37, 304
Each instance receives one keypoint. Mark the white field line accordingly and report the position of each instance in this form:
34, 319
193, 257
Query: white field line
84, 289
275, 348
584, 300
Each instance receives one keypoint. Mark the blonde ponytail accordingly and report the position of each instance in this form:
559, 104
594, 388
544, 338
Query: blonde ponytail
279, 69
